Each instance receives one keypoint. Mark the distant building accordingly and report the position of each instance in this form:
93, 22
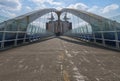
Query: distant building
53, 26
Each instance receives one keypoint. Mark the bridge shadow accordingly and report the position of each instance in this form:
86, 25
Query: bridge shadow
88, 44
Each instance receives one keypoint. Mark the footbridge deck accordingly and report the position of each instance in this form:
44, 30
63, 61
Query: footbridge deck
60, 59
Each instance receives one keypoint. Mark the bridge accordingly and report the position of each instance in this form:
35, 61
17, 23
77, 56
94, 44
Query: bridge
52, 45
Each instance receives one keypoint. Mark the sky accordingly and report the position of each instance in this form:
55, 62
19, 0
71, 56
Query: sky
13, 8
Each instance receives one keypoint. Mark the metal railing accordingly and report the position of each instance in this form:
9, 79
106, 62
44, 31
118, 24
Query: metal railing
16, 33
109, 39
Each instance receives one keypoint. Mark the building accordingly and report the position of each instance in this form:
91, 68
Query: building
58, 27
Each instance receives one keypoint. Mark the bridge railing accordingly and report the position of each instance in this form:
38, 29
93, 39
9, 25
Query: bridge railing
17, 33
105, 32
105, 38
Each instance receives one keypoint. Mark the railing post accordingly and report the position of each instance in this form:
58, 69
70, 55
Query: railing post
3, 36
87, 33
116, 40
25, 36
116, 36
94, 37
103, 40
102, 24
16, 38
31, 32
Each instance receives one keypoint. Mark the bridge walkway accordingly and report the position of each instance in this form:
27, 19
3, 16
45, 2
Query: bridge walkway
60, 59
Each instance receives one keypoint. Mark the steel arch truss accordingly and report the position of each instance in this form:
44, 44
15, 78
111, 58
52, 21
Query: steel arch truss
106, 32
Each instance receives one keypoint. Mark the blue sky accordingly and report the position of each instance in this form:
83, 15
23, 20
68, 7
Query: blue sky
13, 8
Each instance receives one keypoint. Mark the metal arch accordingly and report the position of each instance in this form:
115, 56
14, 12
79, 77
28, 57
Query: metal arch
91, 18
104, 26
84, 15
19, 21
34, 15
29, 17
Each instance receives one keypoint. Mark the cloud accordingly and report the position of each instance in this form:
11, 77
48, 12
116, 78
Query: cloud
59, 8
28, 8
40, 6
110, 8
80, 6
7, 13
10, 4
51, 2
103, 11
93, 9
11, 15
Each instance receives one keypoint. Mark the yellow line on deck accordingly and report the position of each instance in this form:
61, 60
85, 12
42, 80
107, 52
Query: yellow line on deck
66, 76
65, 73
61, 57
